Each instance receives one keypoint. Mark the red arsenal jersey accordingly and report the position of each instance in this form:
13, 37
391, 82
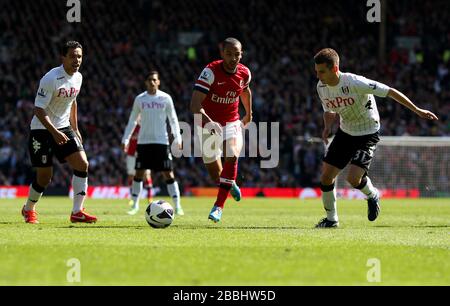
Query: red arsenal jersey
223, 90
132, 146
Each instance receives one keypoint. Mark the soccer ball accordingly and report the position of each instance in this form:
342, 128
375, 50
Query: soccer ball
159, 214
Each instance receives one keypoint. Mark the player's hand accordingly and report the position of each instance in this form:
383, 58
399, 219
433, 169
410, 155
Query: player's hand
60, 138
180, 146
423, 113
325, 134
124, 147
214, 128
246, 120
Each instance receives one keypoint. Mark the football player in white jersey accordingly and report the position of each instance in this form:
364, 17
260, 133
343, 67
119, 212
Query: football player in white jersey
154, 107
352, 98
54, 132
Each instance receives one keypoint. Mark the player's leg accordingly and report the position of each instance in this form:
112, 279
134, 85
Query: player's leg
148, 185
328, 188
73, 153
232, 149
227, 177
215, 169
234, 131
136, 189
211, 153
131, 172
41, 155
338, 155
162, 161
174, 191
357, 175
80, 165
40, 183
358, 179
143, 157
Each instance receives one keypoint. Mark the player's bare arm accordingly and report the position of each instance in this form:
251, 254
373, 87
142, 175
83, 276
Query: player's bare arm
196, 105
60, 138
328, 120
125, 146
402, 99
246, 98
74, 120
174, 124
196, 108
133, 120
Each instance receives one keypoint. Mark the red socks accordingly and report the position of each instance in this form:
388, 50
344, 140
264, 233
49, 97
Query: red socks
227, 177
149, 186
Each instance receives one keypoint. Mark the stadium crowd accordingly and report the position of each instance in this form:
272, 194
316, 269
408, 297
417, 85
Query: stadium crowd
123, 40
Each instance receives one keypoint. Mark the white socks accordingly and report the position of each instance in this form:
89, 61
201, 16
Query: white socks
329, 203
368, 189
79, 185
136, 189
33, 197
174, 192
329, 196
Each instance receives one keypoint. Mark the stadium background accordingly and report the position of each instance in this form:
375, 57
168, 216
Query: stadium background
123, 40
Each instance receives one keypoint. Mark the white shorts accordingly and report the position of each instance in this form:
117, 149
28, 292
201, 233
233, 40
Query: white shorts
131, 162
211, 144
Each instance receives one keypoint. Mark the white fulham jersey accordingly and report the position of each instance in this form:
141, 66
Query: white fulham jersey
353, 99
57, 91
153, 112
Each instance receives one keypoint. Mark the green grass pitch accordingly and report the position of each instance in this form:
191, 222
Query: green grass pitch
258, 242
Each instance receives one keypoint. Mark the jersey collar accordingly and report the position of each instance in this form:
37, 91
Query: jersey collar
152, 95
65, 73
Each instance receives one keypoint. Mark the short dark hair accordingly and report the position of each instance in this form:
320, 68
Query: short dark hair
327, 56
230, 41
152, 72
69, 45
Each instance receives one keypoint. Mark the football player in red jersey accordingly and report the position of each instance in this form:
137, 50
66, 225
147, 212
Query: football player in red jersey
217, 92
